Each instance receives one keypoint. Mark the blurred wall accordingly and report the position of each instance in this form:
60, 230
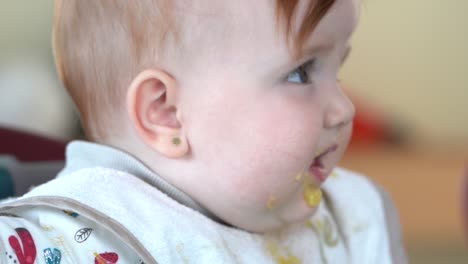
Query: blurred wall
25, 28
411, 57
31, 96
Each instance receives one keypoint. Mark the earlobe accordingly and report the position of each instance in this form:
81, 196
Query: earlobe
153, 111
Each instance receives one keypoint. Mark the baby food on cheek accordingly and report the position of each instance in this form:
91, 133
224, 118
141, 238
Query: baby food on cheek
307, 184
299, 177
312, 194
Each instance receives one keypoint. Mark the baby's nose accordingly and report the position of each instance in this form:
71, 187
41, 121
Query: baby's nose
340, 110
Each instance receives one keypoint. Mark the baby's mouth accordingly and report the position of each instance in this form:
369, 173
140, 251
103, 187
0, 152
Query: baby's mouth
318, 168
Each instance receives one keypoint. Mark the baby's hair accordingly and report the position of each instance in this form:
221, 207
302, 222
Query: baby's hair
100, 45
314, 13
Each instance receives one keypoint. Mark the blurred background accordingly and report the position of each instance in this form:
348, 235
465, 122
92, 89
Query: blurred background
407, 74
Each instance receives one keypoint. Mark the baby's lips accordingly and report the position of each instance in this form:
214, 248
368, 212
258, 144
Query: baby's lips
318, 173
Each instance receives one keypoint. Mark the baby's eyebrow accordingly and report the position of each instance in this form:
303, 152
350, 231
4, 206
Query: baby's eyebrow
318, 48
325, 47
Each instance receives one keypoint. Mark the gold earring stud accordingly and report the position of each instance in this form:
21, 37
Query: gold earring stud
176, 141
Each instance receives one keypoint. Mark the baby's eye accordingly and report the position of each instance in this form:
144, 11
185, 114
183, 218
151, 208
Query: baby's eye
301, 74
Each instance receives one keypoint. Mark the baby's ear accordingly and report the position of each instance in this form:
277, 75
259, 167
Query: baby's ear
153, 111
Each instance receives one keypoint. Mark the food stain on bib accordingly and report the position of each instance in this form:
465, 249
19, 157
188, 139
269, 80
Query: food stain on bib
278, 255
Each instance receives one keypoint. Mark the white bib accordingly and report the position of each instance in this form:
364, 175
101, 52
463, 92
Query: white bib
349, 226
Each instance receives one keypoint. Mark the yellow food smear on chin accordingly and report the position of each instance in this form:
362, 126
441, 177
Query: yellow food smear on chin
303, 176
271, 204
299, 177
312, 195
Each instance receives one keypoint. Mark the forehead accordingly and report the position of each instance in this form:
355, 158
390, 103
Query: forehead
340, 22
263, 13
244, 30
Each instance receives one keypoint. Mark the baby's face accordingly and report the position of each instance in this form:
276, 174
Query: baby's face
260, 124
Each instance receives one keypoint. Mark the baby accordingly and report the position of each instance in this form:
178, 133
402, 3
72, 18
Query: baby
215, 128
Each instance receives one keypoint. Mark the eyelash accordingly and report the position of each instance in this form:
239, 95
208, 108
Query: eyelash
302, 73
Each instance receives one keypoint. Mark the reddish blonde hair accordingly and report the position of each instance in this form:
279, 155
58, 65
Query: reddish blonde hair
100, 45
316, 10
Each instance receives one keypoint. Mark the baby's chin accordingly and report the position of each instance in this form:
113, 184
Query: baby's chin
296, 216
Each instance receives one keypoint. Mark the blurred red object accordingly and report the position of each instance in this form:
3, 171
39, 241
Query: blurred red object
28, 147
372, 126
367, 129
